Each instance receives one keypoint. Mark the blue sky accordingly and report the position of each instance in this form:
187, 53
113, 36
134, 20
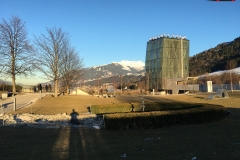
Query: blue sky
104, 31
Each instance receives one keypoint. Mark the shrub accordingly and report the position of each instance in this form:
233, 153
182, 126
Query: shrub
143, 120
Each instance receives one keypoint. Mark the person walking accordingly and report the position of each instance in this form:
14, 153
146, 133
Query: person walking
132, 107
49, 87
46, 88
40, 88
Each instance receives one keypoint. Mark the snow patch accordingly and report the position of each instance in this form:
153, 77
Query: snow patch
235, 70
94, 67
139, 65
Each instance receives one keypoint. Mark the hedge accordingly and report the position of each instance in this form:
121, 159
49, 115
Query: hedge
156, 119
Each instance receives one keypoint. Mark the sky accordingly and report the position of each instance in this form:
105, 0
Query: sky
103, 31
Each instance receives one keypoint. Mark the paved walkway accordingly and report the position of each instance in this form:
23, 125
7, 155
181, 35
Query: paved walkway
21, 101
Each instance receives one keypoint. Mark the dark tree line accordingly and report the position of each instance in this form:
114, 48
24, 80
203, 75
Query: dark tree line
8, 88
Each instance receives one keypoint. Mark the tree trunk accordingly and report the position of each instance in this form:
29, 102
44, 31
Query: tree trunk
13, 72
13, 84
67, 89
56, 88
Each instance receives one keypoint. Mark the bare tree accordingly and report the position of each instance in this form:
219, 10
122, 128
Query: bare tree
219, 79
71, 69
3, 85
51, 49
15, 51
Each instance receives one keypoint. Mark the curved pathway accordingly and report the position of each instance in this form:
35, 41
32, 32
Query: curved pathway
22, 100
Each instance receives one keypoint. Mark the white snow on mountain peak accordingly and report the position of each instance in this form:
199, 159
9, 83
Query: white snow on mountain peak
139, 65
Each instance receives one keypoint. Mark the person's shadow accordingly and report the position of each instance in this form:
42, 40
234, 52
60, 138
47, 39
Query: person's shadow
74, 120
5, 105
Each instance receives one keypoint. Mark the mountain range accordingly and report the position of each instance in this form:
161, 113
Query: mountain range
114, 69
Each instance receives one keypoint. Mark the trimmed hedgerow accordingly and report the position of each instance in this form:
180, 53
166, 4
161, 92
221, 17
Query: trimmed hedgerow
144, 120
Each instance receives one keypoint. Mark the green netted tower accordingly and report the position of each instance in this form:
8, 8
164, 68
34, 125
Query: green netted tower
166, 58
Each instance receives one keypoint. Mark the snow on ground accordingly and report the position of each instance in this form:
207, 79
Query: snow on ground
235, 70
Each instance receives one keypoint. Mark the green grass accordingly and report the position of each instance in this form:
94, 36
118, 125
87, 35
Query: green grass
126, 107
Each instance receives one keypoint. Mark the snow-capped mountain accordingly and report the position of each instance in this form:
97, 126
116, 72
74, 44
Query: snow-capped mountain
5, 82
137, 65
115, 68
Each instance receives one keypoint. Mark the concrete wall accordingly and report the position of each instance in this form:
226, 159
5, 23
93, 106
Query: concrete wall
176, 86
77, 91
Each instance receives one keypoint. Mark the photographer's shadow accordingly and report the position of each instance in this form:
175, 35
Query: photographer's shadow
74, 120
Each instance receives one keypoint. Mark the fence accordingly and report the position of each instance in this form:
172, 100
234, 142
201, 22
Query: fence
215, 87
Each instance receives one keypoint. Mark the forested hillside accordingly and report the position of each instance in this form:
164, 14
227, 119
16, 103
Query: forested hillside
216, 59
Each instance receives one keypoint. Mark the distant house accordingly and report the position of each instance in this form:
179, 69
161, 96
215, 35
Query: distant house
181, 85
108, 86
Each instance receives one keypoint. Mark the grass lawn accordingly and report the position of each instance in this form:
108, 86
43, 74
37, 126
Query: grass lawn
216, 140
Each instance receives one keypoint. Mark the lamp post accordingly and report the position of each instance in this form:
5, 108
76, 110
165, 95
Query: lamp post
231, 76
98, 82
98, 85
